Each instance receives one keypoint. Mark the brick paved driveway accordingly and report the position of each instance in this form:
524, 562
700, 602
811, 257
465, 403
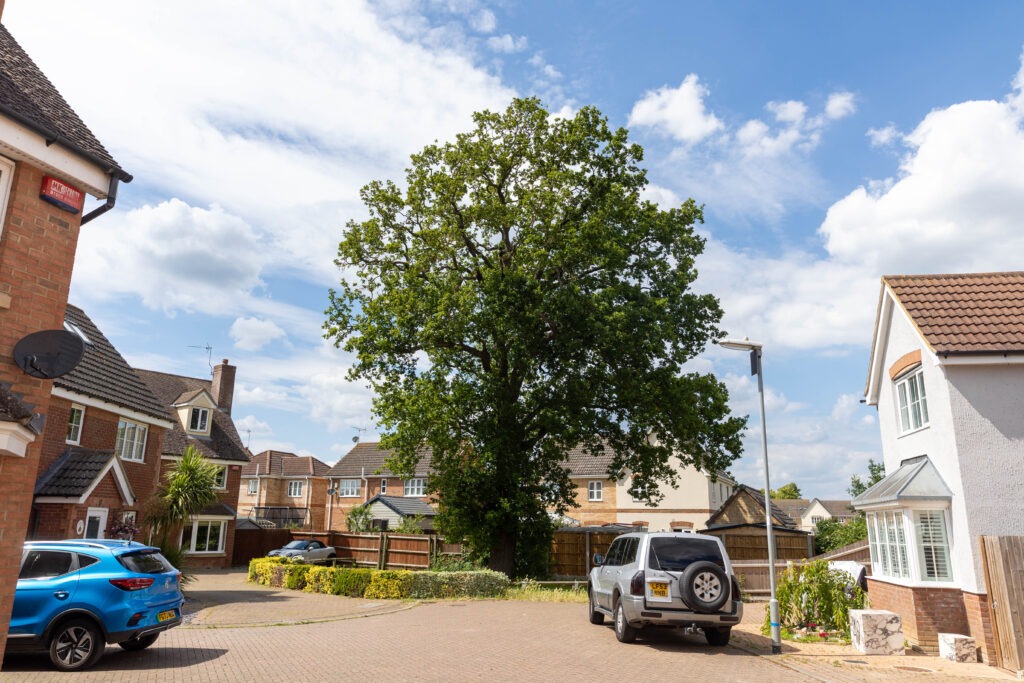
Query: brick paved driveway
252, 634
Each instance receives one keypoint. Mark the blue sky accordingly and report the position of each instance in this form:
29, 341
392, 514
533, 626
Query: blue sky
831, 143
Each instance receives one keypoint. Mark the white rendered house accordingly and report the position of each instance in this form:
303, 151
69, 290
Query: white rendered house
947, 377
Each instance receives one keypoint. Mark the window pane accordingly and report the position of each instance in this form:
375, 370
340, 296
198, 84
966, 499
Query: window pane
924, 399
933, 546
901, 389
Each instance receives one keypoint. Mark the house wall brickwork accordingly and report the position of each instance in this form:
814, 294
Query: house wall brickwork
595, 512
925, 611
979, 620
98, 431
37, 252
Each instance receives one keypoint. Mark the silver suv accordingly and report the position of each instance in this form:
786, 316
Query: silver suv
666, 579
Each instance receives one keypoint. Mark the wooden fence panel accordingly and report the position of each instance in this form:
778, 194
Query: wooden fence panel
1003, 559
572, 552
250, 543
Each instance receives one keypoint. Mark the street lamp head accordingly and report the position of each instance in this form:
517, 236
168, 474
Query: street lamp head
739, 344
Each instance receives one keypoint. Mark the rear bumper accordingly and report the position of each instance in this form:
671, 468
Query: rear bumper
121, 636
639, 614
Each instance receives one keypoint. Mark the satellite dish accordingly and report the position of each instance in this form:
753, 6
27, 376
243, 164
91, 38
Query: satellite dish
49, 353
355, 439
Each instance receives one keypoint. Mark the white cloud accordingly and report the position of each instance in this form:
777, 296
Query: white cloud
278, 116
483, 21
677, 112
883, 137
955, 206
252, 334
173, 256
507, 44
840, 105
662, 196
758, 169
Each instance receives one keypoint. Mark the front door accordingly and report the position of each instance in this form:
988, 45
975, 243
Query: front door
96, 523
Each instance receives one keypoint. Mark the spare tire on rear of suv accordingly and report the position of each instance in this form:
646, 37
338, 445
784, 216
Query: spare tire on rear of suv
704, 587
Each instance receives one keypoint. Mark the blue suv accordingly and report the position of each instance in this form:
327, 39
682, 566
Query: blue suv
75, 596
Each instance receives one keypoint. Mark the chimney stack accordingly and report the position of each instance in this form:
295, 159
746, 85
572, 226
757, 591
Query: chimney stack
224, 385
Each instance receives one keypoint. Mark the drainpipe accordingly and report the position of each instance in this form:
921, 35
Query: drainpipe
108, 205
366, 482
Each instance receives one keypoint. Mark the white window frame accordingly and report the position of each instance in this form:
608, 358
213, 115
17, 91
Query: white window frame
135, 449
254, 487
204, 420
416, 487
595, 491
933, 552
295, 488
74, 433
220, 482
6, 178
911, 401
904, 550
192, 532
348, 488
383, 486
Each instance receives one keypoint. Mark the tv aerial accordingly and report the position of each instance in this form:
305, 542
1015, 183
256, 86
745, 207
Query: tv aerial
355, 439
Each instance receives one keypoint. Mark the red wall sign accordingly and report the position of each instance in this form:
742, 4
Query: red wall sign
61, 194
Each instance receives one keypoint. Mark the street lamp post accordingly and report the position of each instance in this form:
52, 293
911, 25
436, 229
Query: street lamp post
755, 369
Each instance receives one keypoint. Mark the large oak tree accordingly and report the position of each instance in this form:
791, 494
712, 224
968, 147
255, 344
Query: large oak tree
517, 298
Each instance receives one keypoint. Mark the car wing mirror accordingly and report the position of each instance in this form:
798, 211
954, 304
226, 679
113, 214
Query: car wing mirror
598, 559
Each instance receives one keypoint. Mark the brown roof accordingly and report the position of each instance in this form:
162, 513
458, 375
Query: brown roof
838, 508
223, 442
283, 464
583, 464
27, 96
792, 506
103, 373
367, 459
964, 313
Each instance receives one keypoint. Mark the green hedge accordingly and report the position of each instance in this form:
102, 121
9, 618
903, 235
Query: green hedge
376, 584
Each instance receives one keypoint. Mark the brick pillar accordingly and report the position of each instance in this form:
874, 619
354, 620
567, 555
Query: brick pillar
37, 251
979, 620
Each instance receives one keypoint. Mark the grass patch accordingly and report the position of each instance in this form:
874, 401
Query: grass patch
532, 592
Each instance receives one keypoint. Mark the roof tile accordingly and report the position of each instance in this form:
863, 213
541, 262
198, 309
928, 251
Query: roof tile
964, 313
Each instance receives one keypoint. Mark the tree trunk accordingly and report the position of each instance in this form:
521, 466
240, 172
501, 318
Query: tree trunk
503, 554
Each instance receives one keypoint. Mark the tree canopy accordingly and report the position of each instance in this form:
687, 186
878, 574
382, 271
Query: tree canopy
788, 491
876, 473
516, 299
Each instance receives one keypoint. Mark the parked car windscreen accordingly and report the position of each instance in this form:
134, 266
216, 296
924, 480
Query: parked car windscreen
297, 545
145, 562
676, 554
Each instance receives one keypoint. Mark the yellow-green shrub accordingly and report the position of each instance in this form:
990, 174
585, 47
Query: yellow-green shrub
261, 569
389, 585
351, 582
319, 580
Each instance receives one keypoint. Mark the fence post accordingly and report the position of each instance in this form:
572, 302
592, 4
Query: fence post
586, 554
382, 559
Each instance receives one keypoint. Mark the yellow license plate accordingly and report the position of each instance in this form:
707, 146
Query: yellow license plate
166, 615
659, 590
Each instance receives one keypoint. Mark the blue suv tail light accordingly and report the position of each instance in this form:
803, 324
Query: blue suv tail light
132, 584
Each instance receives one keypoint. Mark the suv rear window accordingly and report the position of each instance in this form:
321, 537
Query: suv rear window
676, 554
145, 562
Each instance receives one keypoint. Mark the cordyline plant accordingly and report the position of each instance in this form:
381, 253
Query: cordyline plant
518, 299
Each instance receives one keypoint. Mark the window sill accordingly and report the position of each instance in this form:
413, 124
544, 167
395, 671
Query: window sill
206, 553
913, 431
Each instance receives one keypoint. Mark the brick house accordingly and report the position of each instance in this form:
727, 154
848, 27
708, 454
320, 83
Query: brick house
361, 475
202, 412
101, 445
284, 489
45, 148
947, 378
603, 500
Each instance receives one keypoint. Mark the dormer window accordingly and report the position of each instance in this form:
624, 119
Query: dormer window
199, 420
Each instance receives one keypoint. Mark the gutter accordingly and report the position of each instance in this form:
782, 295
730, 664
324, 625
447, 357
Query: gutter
51, 136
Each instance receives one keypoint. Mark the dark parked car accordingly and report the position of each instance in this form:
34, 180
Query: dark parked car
666, 579
75, 596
